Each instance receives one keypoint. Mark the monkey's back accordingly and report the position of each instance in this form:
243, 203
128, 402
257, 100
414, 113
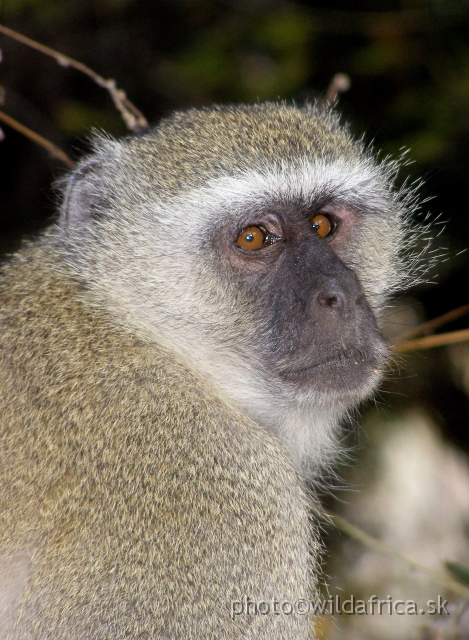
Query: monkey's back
121, 471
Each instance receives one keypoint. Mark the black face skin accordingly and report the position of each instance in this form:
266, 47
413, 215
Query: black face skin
321, 330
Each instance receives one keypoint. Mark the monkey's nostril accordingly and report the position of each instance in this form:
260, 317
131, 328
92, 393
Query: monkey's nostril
332, 300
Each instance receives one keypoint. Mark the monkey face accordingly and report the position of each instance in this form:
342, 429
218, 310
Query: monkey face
316, 328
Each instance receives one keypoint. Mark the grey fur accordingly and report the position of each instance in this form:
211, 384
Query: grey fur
152, 462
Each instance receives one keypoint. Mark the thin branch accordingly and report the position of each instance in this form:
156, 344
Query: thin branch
428, 327
133, 117
428, 342
35, 137
380, 547
340, 83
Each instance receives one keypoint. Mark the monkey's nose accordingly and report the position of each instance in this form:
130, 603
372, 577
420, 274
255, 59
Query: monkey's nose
330, 299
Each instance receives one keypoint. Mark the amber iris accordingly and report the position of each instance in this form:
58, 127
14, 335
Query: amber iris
251, 239
322, 225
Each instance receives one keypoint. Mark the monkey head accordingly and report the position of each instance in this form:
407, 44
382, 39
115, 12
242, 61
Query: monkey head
259, 244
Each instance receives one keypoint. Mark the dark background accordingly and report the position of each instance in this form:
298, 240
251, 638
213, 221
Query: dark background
409, 65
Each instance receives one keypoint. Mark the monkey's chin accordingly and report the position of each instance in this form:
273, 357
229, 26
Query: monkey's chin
350, 373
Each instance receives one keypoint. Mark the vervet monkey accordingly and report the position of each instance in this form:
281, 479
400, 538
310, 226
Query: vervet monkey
175, 357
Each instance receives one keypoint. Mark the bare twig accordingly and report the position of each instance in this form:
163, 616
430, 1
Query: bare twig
35, 137
133, 117
428, 327
339, 84
380, 547
429, 342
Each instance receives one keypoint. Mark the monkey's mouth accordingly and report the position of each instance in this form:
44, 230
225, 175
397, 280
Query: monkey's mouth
347, 370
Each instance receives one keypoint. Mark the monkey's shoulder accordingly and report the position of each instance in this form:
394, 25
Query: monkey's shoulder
52, 331
76, 378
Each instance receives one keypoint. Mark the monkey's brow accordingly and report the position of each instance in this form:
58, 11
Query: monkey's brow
292, 204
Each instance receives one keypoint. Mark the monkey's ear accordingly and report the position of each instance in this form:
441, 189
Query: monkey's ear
84, 200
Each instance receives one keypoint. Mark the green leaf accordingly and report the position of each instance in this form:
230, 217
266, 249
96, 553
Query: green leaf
459, 571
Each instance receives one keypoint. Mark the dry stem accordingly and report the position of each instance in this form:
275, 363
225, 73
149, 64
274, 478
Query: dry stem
35, 137
428, 327
428, 342
339, 84
133, 117
380, 547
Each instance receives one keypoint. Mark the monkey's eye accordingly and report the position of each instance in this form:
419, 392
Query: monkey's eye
323, 225
254, 238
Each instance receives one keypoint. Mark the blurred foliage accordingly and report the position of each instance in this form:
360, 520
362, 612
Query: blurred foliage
243, 58
459, 571
409, 64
